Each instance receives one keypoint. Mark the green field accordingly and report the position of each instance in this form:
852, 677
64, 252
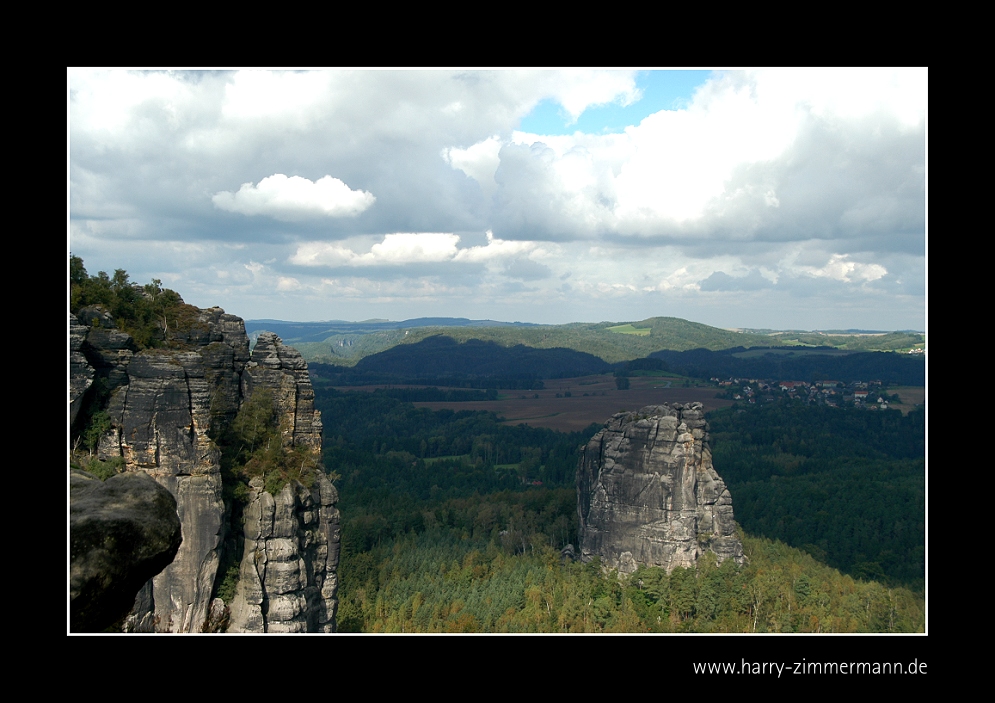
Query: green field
629, 329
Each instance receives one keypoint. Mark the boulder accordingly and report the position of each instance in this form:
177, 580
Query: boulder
122, 532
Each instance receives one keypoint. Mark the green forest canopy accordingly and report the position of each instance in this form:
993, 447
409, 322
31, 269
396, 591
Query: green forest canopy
453, 522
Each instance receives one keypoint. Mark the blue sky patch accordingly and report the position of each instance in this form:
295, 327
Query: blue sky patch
662, 90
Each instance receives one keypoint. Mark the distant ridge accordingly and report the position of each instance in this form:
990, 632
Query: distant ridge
320, 331
345, 343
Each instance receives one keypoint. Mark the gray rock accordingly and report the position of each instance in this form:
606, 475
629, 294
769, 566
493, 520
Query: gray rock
142, 615
122, 532
80, 372
283, 371
648, 494
288, 579
165, 407
567, 554
95, 316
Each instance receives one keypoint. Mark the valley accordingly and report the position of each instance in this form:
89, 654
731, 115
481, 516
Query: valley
446, 494
580, 351
571, 404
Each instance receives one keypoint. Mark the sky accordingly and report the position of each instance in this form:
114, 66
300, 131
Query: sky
779, 198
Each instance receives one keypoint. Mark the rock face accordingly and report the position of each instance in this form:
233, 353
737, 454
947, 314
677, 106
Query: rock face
80, 372
648, 495
283, 371
122, 532
287, 580
166, 407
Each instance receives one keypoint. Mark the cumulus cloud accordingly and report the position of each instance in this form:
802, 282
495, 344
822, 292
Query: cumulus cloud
683, 158
106, 103
394, 249
410, 248
767, 154
478, 161
547, 195
800, 265
576, 91
768, 186
495, 249
294, 198
841, 268
268, 94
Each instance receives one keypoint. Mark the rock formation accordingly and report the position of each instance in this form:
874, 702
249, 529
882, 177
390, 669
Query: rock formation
167, 407
122, 532
283, 371
80, 371
647, 493
287, 580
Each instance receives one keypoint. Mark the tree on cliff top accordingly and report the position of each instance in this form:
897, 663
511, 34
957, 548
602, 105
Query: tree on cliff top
149, 313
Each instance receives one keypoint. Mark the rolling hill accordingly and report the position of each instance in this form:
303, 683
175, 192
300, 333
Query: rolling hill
345, 344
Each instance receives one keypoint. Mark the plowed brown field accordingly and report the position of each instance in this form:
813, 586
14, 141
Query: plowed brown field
579, 411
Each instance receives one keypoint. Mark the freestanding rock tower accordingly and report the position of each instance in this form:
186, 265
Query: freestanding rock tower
647, 493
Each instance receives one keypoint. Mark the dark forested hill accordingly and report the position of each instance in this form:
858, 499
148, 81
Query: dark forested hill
801, 365
444, 361
444, 355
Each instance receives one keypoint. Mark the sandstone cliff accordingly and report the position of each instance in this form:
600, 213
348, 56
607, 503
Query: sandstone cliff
167, 407
648, 495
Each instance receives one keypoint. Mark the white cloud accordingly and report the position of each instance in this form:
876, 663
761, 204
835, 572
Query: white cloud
813, 177
394, 249
840, 268
683, 158
322, 254
578, 90
673, 168
848, 93
478, 161
284, 94
681, 279
106, 101
295, 198
408, 248
494, 249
